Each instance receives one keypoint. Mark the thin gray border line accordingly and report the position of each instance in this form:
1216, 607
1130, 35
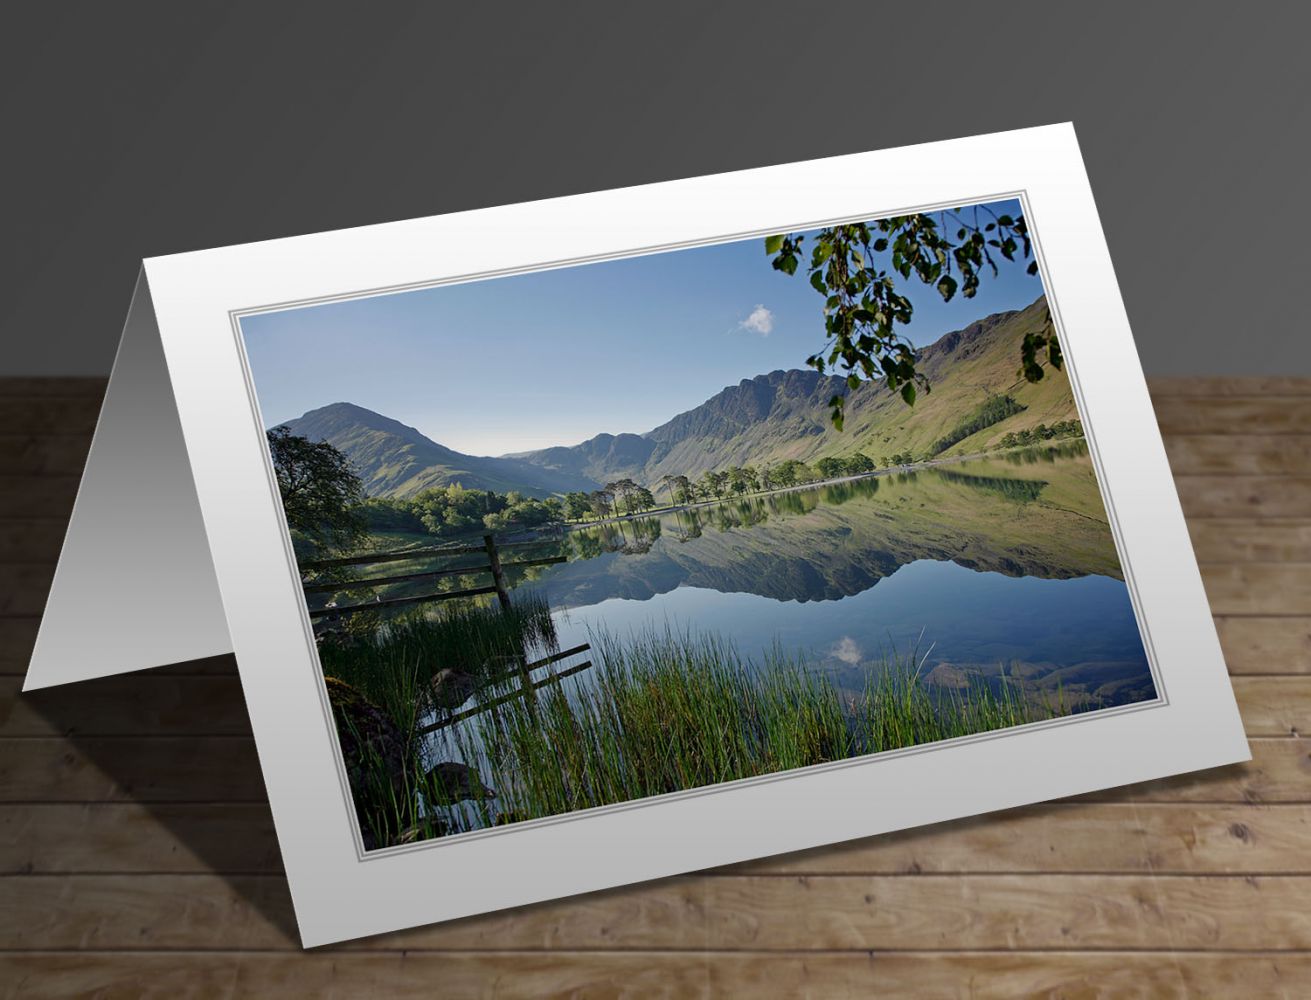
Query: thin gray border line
1112, 518
307, 627
1021, 194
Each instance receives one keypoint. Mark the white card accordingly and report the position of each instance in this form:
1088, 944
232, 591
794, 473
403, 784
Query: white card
565, 512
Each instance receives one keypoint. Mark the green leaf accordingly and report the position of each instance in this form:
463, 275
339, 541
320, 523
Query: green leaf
773, 244
817, 282
947, 287
908, 393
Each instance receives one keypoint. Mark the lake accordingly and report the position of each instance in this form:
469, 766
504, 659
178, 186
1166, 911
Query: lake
972, 568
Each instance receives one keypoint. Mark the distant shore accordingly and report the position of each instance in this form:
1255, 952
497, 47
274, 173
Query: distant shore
679, 508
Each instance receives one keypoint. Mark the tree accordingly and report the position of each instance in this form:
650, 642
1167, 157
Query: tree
831, 468
320, 492
682, 491
852, 266
602, 502
859, 463
714, 483
622, 490
737, 480
640, 499
577, 506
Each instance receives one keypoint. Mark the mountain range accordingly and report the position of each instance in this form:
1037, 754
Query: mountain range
769, 418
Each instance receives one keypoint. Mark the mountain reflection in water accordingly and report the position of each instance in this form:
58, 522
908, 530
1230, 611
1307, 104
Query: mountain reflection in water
992, 562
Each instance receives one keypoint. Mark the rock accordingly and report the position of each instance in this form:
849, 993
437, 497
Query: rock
450, 689
375, 751
450, 781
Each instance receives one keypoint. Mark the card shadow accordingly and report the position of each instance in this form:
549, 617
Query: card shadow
212, 800
214, 804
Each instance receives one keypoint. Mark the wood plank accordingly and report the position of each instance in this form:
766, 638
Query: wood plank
50, 415
757, 913
254, 912
1053, 838
1279, 771
1274, 706
30, 541
53, 385
129, 705
129, 837
1259, 645
173, 975
1239, 454
1228, 385
507, 975
17, 637
1244, 496
1240, 540
37, 496
955, 913
1004, 976
171, 769
34, 455
226, 769
1077, 837
1264, 414
1258, 588
24, 588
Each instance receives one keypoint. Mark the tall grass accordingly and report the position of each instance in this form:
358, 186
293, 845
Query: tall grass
393, 669
666, 711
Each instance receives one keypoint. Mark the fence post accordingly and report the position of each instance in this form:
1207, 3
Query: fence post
498, 577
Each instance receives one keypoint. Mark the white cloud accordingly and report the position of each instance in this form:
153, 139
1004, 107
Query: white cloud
846, 650
760, 320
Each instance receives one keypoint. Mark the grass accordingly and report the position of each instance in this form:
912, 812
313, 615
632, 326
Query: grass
392, 662
665, 712
661, 711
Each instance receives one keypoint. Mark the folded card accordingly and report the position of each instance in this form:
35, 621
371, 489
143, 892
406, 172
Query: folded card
575, 543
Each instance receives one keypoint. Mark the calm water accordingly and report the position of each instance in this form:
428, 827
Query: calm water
975, 565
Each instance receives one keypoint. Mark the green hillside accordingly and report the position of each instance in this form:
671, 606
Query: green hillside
977, 397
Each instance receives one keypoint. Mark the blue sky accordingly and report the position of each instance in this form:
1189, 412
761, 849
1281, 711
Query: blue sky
528, 361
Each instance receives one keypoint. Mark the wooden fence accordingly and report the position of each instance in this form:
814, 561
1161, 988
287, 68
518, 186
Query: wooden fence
493, 566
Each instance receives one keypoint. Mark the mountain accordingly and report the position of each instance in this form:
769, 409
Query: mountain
761, 420
785, 414
396, 460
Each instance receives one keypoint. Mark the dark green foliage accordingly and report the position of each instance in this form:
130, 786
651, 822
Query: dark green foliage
830, 468
993, 411
1036, 435
319, 491
384, 514
577, 506
451, 511
853, 267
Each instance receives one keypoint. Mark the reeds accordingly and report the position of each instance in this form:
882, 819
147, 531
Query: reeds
665, 712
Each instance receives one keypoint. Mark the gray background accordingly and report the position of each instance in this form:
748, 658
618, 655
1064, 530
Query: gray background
134, 130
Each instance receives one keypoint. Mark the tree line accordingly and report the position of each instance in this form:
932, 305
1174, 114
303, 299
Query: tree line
1035, 435
624, 496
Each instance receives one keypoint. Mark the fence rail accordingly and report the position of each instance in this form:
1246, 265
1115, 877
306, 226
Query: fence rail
527, 686
489, 548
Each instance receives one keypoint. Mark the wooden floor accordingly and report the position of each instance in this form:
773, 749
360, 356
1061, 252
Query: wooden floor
138, 856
